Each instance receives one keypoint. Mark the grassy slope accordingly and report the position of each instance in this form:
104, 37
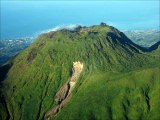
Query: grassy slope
132, 95
115, 79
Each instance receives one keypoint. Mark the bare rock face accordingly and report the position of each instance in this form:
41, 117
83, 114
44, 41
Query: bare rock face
64, 94
103, 24
77, 69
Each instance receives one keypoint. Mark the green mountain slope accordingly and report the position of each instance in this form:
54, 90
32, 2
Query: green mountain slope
119, 80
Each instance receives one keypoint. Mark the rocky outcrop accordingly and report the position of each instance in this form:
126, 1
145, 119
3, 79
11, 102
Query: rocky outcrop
64, 94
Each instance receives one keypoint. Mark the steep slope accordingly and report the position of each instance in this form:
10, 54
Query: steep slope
65, 92
117, 74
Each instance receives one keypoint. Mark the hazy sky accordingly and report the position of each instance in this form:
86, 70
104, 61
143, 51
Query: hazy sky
22, 18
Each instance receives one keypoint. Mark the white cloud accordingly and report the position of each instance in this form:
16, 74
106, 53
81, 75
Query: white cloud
59, 27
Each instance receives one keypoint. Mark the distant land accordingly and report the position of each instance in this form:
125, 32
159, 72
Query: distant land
11, 47
144, 38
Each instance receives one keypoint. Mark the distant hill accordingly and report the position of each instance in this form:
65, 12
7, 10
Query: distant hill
145, 38
89, 73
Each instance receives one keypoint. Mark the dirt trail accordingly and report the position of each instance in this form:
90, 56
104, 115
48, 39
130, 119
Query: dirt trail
64, 94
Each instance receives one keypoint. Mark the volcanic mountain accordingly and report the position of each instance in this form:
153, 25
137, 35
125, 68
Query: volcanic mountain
88, 73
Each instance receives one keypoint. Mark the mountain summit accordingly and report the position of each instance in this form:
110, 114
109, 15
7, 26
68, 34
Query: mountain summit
87, 73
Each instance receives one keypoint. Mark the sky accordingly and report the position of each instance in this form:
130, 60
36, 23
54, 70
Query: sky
28, 18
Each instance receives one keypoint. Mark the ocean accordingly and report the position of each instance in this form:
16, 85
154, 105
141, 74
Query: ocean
20, 19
